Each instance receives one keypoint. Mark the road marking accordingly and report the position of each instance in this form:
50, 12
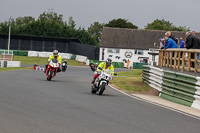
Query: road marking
132, 96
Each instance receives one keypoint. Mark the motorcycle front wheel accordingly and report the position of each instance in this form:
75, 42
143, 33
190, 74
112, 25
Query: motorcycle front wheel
50, 75
93, 89
102, 88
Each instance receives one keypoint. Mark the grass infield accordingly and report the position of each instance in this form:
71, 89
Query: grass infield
131, 81
43, 61
37, 60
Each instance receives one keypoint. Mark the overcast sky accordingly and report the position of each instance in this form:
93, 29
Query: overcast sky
85, 12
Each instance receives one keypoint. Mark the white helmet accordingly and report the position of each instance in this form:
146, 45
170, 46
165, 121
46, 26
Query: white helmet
55, 53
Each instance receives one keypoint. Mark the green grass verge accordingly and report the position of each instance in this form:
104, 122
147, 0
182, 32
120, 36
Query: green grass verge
131, 81
43, 61
15, 68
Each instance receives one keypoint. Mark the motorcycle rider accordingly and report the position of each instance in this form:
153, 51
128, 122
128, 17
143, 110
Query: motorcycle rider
104, 65
54, 56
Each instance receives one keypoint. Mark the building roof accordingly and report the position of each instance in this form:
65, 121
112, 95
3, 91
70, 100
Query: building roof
132, 38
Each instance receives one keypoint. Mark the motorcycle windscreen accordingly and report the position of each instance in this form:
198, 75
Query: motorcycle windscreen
54, 60
107, 71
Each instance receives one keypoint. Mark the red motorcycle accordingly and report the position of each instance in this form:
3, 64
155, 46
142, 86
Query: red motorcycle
52, 69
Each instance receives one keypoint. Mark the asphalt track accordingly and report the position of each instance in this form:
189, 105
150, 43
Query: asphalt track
31, 104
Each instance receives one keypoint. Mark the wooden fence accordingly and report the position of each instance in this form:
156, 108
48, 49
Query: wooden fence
180, 59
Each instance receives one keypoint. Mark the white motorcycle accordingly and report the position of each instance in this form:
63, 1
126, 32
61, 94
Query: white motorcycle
102, 81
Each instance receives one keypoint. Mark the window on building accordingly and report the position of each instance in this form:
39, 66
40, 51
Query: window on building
140, 52
113, 50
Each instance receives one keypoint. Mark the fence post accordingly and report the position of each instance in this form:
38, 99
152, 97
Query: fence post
183, 62
170, 58
175, 55
160, 58
189, 61
179, 56
167, 58
195, 63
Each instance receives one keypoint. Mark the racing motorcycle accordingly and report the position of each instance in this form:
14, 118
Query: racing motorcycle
52, 69
102, 81
64, 66
93, 66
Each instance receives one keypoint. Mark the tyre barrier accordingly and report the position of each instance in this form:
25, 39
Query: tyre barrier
174, 86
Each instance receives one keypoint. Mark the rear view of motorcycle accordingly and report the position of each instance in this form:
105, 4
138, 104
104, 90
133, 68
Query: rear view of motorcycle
101, 82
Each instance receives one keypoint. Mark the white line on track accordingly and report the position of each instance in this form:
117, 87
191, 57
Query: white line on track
155, 103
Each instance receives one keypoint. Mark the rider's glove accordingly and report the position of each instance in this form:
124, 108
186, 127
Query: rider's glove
98, 72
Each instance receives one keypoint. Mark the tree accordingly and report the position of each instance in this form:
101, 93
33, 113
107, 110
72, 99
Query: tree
164, 25
95, 30
49, 24
71, 22
121, 23
20, 21
51, 15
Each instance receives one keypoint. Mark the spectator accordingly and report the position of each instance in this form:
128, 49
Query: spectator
182, 43
170, 43
191, 43
127, 65
161, 40
169, 35
193, 33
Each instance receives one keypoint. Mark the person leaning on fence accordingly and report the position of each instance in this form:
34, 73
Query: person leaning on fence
170, 44
192, 42
169, 35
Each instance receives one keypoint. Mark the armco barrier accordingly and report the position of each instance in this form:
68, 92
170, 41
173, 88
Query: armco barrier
177, 87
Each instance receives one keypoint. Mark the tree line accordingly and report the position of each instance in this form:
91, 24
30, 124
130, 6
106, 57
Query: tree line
51, 24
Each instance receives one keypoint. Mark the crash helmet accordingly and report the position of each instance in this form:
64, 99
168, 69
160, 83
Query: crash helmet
55, 53
108, 62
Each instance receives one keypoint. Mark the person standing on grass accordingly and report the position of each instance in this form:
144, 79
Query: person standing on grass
127, 64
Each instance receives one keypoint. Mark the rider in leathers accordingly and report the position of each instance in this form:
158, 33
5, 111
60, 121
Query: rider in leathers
55, 56
104, 65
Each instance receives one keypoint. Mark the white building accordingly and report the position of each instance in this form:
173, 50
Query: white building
121, 45
122, 55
